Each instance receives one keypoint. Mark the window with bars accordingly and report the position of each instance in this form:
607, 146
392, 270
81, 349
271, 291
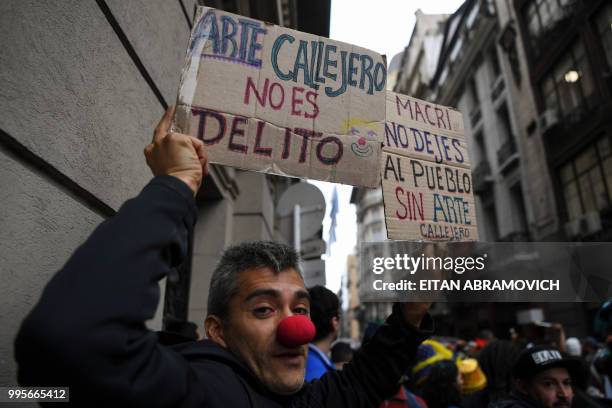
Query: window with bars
587, 179
603, 21
569, 84
542, 15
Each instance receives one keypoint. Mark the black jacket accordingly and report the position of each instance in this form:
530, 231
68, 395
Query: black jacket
516, 400
88, 329
519, 400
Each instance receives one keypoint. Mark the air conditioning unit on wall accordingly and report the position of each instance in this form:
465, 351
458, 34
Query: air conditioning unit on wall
548, 120
588, 224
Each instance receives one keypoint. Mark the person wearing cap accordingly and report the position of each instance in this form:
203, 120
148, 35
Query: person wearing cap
496, 360
429, 353
543, 378
435, 375
325, 313
472, 377
88, 331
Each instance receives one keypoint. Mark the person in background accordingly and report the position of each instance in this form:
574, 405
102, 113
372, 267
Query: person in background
403, 398
485, 336
428, 353
514, 335
472, 377
573, 347
324, 312
496, 360
602, 360
590, 347
557, 333
341, 353
543, 379
435, 376
441, 387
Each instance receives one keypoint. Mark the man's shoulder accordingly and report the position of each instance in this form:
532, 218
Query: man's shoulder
312, 352
207, 352
217, 374
315, 354
316, 364
314, 360
512, 402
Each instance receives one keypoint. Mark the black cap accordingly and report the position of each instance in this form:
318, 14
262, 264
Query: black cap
539, 358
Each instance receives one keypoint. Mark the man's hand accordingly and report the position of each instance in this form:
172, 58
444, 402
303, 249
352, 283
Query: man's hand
414, 312
176, 154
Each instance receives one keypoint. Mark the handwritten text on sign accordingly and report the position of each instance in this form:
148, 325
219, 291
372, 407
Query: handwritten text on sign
276, 100
426, 176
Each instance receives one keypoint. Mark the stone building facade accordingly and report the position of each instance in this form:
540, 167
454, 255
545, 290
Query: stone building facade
531, 78
568, 49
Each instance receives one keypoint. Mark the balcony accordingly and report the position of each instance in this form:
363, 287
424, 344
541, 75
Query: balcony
481, 177
555, 28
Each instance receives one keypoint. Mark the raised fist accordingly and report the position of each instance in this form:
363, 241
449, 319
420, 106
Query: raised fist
176, 154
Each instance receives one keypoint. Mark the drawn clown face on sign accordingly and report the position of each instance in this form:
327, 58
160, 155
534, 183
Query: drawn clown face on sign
367, 131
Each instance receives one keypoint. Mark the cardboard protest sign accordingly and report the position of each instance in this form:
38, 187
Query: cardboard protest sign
426, 131
271, 99
426, 176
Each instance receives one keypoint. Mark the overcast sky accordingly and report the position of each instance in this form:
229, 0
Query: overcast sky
383, 26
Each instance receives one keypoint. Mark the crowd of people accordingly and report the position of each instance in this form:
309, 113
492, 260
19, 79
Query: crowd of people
268, 341
88, 329
485, 371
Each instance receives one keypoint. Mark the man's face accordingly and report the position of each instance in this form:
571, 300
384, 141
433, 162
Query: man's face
552, 388
263, 300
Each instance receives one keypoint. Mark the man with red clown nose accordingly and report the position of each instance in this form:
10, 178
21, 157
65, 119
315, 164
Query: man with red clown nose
88, 330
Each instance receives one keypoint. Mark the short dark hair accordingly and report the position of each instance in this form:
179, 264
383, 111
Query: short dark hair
324, 305
341, 352
239, 258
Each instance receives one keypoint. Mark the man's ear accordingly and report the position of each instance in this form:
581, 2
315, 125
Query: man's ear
214, 330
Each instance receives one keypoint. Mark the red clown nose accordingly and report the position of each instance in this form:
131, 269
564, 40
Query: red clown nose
293, 331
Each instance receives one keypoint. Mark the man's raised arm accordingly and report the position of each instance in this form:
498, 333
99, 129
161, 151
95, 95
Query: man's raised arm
374, 373
88, 329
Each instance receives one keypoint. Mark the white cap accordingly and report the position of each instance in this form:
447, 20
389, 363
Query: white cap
573, 347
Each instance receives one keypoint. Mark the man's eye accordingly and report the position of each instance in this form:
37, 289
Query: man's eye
263, 311
300, 310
